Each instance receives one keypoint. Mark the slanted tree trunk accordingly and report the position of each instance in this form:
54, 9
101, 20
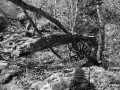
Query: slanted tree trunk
52, 41
101, 36
40, 12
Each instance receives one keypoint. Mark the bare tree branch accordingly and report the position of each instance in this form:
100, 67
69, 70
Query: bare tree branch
36, 29
41, 12
55, 53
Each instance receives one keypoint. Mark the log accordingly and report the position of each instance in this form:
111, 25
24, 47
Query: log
52, 41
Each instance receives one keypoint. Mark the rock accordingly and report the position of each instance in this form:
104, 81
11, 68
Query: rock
9, 75
3, 64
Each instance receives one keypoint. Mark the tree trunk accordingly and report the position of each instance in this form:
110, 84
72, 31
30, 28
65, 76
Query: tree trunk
52, 41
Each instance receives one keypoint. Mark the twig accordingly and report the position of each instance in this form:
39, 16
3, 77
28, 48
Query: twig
55, 53
43, 4
36, 29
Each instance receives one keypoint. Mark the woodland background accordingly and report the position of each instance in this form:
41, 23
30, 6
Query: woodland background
59, 44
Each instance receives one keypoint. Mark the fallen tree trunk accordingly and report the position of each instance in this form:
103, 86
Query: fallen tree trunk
52, 41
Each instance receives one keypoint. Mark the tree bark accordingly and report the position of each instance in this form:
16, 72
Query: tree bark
101, 36
52, 41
